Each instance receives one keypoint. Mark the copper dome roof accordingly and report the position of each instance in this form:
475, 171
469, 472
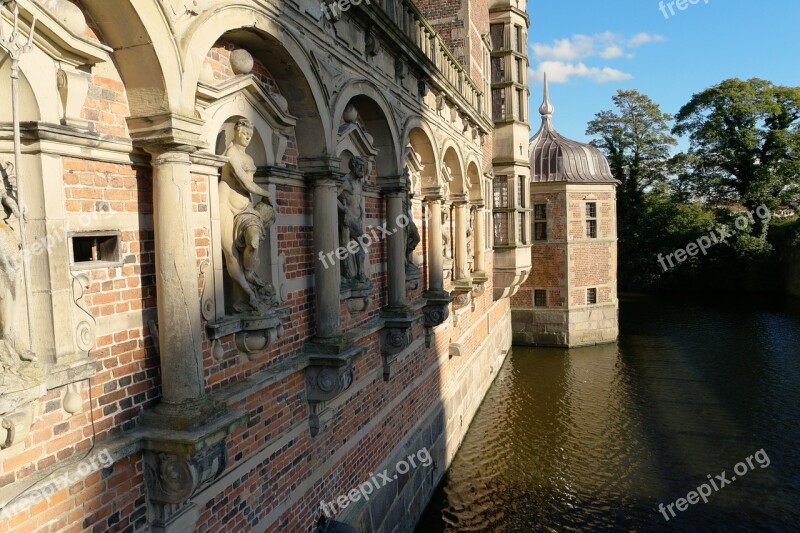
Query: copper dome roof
553, 157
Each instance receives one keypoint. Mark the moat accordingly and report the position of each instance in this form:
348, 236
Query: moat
595, 438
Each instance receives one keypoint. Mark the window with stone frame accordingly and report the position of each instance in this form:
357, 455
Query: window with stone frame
591, 220
540, 222
540, 298
591, 296
497, 33
501, 211
522, 213
498, 104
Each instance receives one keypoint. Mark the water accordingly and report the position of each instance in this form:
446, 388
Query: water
595, 438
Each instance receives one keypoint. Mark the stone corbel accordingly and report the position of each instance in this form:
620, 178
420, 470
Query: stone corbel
73, 87
400, 69
172, 478
396, 337
372, 42
462, 301
455, 350
253, 335
326, 379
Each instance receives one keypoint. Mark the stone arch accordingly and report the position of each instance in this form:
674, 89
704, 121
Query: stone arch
454, 163
145, 53
420, 138
375, 114
280, 53
474, 180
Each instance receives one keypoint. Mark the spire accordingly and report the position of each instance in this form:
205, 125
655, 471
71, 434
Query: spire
546, 109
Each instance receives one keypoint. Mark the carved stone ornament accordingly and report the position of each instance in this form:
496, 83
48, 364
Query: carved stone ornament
84, 322
436, 314
332, 74
172, 479
323, 384
372, 42
396, 337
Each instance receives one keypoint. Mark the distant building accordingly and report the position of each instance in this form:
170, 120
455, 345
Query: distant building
570, 299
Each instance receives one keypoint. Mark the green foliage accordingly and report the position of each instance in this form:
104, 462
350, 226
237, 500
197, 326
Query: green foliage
744, 150
745, 142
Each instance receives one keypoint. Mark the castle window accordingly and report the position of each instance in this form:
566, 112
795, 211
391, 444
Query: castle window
591, 220
591, 296
498, 104
498, 69
95, 249
498, 36
540, 298
518, 41
501, 213
521, 104
522, 214
540, 222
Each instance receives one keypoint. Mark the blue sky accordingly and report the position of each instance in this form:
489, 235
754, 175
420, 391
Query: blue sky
591, 48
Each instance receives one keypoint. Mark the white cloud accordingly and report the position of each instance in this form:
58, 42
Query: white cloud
645, 38
561, 72
608, 45
564, 59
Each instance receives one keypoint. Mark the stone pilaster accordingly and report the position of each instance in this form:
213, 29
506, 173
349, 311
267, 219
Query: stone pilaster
438, 300
462, 261
479, 227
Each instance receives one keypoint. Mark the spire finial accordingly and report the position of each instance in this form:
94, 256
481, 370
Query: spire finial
546, 109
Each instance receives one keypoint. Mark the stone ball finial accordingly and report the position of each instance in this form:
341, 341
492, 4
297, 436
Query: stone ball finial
68, 14
350, 114
241, 61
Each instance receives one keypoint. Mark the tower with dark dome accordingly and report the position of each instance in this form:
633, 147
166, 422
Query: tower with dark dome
570, 299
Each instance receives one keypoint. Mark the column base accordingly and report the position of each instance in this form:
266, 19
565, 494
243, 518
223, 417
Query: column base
188, 416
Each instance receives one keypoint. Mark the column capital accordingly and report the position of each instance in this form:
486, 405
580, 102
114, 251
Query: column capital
167, 132
393, 184
322, 167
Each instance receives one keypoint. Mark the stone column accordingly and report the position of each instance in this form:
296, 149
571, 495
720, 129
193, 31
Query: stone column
435, 263
327, 276
479, 228
396, 248
179, 318
461, 260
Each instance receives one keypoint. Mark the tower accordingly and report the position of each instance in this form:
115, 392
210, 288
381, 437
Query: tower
570, 298
508, 33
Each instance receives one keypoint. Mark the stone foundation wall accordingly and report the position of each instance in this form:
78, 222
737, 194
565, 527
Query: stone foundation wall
397, 506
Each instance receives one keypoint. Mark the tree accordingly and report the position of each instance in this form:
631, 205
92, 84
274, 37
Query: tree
636, 141
745, 142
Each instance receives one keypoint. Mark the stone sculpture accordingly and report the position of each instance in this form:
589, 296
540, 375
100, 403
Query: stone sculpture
351, 222
11, 355
244, 224
413, 239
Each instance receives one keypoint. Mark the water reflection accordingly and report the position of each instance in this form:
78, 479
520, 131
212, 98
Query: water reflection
595, 438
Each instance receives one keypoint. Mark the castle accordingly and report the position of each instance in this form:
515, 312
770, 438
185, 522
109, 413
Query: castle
258, 254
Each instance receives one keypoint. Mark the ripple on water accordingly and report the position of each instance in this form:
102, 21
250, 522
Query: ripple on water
595, 438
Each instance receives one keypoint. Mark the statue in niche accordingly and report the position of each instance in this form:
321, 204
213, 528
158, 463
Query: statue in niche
245, 224
351, 222
412, 239
446, 232
470, 240
16, 368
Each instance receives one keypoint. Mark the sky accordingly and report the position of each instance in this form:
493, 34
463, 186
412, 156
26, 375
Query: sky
591, 48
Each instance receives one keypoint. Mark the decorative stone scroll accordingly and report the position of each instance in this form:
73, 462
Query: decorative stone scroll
173, 478
324, 382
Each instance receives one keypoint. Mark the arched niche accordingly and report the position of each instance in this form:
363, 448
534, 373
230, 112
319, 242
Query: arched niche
280, 52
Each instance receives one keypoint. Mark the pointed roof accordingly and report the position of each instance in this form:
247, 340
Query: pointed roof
553, 157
